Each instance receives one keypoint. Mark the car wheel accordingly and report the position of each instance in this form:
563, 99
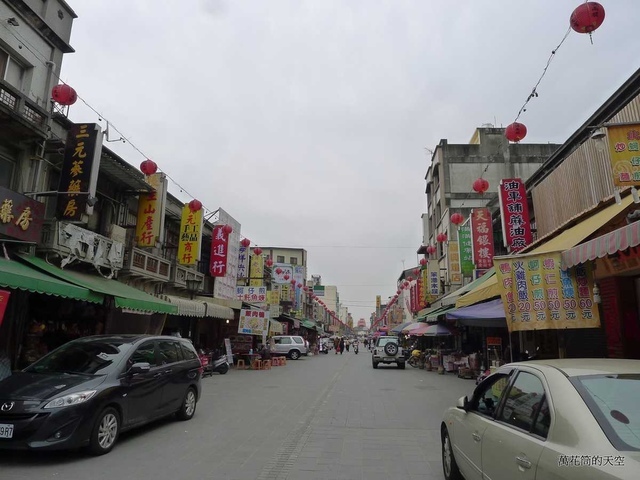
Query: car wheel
294, 354
401, 365
374, 363
188, 408
105, 432
449, 465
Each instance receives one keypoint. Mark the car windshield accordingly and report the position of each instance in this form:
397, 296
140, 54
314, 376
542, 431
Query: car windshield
613, 400
383, 341
87, 358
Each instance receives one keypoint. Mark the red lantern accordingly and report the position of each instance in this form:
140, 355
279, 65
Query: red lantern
398, 292
278, 270
480, 185
148, 167
299, 285
293, 282
405, 284
257, 251
64, 95
410, 279
457, 219
587, 17
431, 250
286, 277
245, 242
227, 229
195, 205
442, 237
269, 262
416, 271
423, 261
515, 132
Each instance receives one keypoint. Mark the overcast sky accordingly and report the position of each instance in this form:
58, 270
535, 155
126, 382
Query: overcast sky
308, 120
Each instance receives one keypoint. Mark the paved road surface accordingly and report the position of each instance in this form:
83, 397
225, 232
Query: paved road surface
327, 417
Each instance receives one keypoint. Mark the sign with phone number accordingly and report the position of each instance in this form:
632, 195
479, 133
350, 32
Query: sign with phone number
538, 295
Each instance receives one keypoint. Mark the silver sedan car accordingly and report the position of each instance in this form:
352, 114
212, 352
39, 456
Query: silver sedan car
547, 420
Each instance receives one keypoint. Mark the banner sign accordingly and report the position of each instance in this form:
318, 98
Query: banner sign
624, 150
256, 275
4, 300
253, 322
455, 271
243, 262
482, 238
151, 212
318, 290
538, 295
190, 236
514, 209
20, 216
281, 273
378, 302
422, 289
225, 286
219, 248
299, 275
79, 172
434, 279
466, 250
252, 294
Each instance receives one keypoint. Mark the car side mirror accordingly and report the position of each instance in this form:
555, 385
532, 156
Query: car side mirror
463, 403
137, 368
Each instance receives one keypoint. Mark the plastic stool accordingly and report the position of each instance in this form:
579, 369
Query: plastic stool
241, 365
256, 364
266, 365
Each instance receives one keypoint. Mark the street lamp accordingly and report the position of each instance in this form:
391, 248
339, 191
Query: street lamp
193, 286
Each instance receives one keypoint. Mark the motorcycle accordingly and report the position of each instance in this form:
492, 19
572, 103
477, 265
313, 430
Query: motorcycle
210, 366
355, 349
417, 359
221, 365
323, 348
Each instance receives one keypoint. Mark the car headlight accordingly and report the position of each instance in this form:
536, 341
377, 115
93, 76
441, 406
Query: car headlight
71, 399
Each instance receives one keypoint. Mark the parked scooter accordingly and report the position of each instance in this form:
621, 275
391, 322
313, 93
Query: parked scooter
221, 365
213, 362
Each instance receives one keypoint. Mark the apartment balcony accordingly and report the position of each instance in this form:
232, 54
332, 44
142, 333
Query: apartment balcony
142, 264
76, 243
181, 273
19, 116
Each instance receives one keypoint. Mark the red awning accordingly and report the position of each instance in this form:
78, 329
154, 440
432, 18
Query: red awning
616, 241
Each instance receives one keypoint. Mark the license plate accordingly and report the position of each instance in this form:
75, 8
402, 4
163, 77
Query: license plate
389, 359
6, 430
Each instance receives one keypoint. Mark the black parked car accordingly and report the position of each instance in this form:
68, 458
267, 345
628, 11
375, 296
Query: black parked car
86, 392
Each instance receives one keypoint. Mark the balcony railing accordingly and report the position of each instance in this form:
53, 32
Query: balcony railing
181, 273
15, 101
69, 240
143, 264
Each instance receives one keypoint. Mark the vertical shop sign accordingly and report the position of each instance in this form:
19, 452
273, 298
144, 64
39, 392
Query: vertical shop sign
190, 236
256, 270
624, 150
538, 295
434, 279
4, 300
151, 212
514, 209
243, 262
414, 297
422, 291
281, 273
219, 248
482, 238
21, 217
424, 276
79, 173
466, 250
455, 270
299, 277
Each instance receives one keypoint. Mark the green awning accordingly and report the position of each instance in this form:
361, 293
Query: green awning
308, 324
454, 296
14, 274
319, 329
433, 316
125, 296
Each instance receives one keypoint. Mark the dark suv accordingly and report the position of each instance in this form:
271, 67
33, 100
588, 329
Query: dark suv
84, 393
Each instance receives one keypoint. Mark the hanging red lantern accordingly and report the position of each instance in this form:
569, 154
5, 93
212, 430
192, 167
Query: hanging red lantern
410, 279
587, 17
257, 251
441, 238
423, 261
398, 292
245, 242
293, 282
515, 132
480, 185
227, 229
64, 95
299, 285
416, 271
457, 219
269, 262
431, 250
148, 167
195, 205
278, 270
286, 277
406, 284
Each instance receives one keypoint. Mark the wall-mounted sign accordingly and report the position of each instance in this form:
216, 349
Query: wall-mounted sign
190, 236
219, 251
624, 149
252, 294
455, 270
243, 262
434, 279
20, 217
253, 322
466, 250
482, 238
79, 173
514, 208
281, 273
4, 300
151, 212
256, 271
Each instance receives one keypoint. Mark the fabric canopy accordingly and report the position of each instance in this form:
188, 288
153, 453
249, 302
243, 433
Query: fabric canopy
125, 297
409, 328
215, 310
453, 296
419, 331
399, 328
613, 242
488, 314
433, 316
308, 324
437, 331
187, 307
15, 274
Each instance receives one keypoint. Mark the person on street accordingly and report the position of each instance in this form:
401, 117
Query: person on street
336, 344
341, 345
347, 344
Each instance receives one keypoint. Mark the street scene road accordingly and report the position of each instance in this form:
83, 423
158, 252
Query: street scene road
321, 417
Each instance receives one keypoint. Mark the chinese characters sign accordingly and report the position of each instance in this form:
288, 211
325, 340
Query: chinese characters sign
190, 236
243, 262
516, 228
253, 322
281, 273
257, 271
423, 288
252, 294
624, 149
466, 250
434, 279
4, 300
79, 174
482, 238
20, 217
538, 295
150, 212
455, 271
219, 248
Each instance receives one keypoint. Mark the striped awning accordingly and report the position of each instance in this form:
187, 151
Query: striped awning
608, 244
214, 310
187, 307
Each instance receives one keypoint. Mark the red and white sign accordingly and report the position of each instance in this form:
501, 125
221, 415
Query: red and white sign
516, 227
414, 297
482, 236
4, 300
219, 250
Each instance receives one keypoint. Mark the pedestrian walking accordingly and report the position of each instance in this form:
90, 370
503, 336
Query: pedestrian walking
341, 345
336, 344
347, 344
